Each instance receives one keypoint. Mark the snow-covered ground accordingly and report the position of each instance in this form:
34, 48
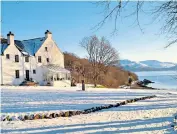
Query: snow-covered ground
148, 116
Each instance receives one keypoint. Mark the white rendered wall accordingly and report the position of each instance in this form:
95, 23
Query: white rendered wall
53, 53
9, 66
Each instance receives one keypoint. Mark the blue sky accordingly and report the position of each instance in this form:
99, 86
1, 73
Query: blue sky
69, 22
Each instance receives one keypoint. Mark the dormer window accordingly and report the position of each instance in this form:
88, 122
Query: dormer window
16, 58
46, 49
7, 56
26, 59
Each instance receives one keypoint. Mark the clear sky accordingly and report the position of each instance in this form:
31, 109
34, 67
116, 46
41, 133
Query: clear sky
69, 22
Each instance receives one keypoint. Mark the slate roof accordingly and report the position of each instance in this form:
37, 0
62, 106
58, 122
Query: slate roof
29, 47
3, 44
3, 47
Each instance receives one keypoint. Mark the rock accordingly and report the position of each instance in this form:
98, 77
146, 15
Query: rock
61, 114
14, 118
31, 117
53, 115
26, 117
56, 115
7, 118
110, 106
50, 116
72, 113
78, 112
43, 116
47, 115
3, 117
67, 114
122, 103
85, 112
146, 82
21, 117
37, 116
117, 105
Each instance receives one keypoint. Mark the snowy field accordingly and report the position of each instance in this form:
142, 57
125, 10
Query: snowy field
148, 116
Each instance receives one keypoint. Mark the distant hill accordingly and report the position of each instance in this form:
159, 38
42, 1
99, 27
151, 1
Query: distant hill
81, 69
148, 65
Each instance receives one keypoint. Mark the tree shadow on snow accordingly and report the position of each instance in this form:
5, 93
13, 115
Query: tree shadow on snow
99, 128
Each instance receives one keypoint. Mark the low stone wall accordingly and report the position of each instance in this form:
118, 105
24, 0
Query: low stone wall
174, 124
71, 113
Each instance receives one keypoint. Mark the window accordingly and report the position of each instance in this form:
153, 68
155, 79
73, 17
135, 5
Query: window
26, 59
7, 56
39, 59
47, 59
16, 58
17, 74
45, 48
34, 71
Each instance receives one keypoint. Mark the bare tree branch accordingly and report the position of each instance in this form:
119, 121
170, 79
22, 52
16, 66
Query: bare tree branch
165, 11
101, 55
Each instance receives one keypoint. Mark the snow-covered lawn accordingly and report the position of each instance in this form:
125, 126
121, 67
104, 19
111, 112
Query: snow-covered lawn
148, 116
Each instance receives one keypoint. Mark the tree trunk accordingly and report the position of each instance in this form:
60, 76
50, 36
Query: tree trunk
95, 85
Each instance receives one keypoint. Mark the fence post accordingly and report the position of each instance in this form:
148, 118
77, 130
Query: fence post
83, 85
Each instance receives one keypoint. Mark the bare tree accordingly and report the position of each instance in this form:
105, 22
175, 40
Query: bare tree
101, 55
165, 11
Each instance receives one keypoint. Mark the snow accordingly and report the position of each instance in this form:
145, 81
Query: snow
148, 116
147, 64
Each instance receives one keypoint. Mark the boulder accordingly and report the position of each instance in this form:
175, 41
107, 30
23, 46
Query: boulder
37, 116
146, 82
3, 118
31, 117
14, 118
43, 116
7, 118
78, 112
21, 117
26, 117
66, 114
56, 115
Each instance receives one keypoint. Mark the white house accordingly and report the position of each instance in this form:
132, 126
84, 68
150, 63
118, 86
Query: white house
37, 59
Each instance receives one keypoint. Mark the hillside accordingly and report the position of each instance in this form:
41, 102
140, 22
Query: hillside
147, 65
81, 69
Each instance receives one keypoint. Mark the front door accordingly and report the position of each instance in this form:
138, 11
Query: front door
27, 75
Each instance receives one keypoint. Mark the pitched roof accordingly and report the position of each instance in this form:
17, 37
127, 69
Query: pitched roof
3, 44
3, 47
27, 47
30, 46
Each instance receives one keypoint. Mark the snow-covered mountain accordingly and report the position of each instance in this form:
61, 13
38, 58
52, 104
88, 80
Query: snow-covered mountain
147, 65
158, 64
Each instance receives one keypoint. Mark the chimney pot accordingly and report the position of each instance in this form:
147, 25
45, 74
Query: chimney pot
48, 34
10, 38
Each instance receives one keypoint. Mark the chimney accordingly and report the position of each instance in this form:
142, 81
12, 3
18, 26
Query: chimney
48, 34
10, 38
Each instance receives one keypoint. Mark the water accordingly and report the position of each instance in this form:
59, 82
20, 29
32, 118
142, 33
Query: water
162, 79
